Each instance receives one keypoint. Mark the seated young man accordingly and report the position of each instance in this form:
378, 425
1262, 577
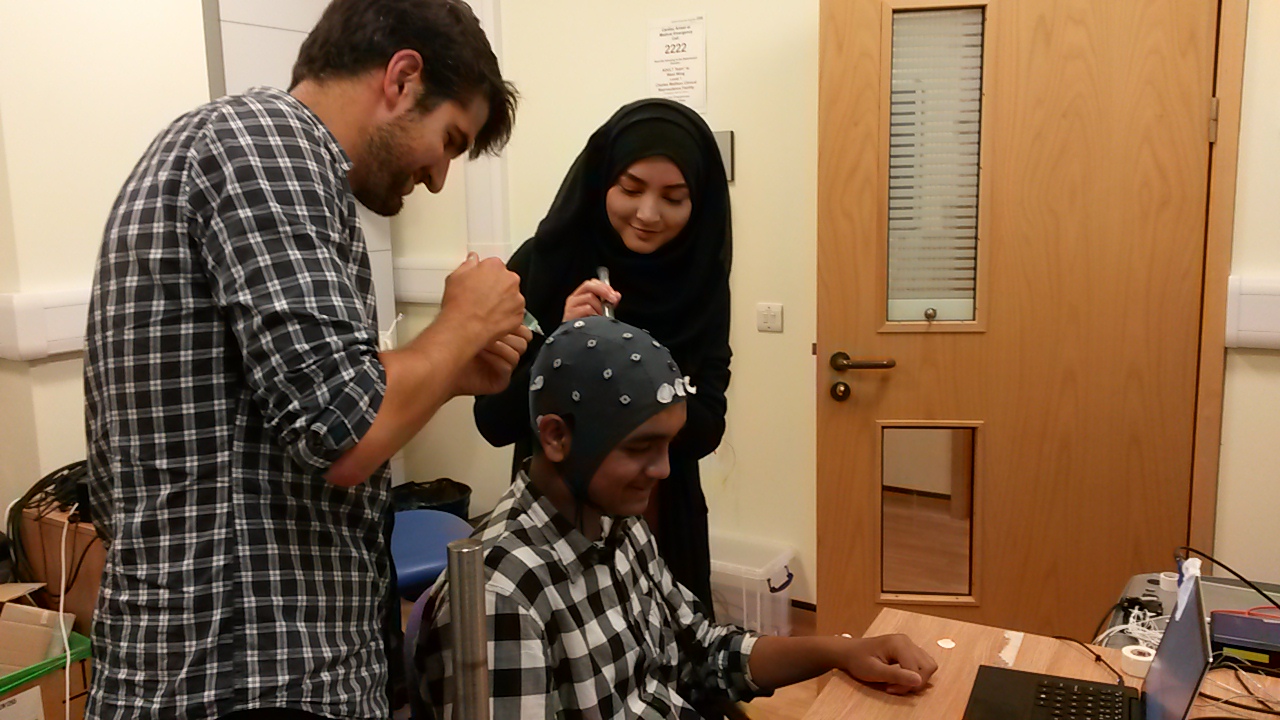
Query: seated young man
585, 620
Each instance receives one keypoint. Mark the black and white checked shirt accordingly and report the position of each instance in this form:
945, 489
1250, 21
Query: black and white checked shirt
231, 358
584, 630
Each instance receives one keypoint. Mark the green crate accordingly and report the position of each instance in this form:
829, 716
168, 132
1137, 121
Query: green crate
80, 650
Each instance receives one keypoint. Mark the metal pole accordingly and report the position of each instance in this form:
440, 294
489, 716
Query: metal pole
470, 630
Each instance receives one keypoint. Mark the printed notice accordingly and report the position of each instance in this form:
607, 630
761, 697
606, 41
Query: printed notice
678, 61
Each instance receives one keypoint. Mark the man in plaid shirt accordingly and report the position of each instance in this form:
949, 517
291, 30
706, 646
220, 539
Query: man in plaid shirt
239, 412
585, 619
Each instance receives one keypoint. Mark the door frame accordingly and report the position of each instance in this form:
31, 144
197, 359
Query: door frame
1219, 224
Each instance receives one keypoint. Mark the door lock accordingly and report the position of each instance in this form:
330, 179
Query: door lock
840, 391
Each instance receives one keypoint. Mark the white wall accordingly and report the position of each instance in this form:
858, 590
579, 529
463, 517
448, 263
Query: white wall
1248, 528
84, 87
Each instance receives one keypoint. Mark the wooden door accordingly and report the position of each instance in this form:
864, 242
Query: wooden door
1073, 386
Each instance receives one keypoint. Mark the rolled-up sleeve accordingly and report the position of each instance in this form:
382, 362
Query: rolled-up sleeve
716, 658
280, 266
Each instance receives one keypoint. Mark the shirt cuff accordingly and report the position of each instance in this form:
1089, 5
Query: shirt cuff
340, 425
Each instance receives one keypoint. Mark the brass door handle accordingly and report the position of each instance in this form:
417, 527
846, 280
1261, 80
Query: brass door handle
841, 361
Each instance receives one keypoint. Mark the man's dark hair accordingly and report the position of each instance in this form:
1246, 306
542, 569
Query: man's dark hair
355, 36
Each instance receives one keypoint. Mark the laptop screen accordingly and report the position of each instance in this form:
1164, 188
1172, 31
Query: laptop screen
1180, 662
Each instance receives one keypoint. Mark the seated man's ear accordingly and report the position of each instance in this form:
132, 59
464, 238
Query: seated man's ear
555, 437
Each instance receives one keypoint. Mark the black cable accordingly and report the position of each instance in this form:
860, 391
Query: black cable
1105, 620
1244, 684
1096, 656
1223, 565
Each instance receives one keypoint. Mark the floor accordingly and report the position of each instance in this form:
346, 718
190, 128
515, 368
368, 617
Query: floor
926, 549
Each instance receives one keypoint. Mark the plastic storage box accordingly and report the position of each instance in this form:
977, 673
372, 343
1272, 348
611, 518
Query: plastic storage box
750, 583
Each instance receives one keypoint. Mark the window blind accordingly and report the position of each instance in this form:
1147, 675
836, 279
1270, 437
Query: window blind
934, 128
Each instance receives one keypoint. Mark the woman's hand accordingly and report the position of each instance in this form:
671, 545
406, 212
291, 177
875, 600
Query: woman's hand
589, 300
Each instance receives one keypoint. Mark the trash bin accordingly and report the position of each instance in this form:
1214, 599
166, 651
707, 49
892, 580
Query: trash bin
443, 494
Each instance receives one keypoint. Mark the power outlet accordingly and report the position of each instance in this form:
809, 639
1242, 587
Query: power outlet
769, 317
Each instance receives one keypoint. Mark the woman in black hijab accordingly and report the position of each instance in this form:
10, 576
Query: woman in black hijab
647, 199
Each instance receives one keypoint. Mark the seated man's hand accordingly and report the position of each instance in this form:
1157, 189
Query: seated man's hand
490, 370
893, 660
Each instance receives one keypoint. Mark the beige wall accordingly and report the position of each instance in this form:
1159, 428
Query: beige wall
84, 87
1248, 529
762, 72
8, 249
762, 66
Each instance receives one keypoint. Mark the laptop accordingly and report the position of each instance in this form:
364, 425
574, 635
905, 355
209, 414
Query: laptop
1172, 682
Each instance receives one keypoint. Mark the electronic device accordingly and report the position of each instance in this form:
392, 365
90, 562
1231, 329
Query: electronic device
1242, 625
1172, 682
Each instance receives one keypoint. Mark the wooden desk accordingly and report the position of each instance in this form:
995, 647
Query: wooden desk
977, 645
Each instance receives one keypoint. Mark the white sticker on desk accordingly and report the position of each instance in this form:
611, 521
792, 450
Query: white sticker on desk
23, 706
1012, 644
678, 61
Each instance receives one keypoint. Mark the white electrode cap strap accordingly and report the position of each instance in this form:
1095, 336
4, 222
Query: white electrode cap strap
1135, 660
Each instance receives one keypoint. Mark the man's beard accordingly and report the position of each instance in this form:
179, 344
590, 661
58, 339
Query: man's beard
379, 181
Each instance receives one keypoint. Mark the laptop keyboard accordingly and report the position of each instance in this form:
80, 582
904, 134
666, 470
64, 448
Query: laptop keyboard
1065, 700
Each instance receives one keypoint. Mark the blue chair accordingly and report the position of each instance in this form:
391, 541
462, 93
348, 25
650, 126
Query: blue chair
419, 547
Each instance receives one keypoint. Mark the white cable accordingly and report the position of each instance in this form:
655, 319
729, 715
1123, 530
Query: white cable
1245, 681
1233, 698
62, 624
1142, 626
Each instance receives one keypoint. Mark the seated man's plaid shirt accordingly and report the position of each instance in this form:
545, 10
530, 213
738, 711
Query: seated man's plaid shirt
583, 629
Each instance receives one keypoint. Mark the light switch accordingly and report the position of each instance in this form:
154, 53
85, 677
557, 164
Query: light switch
769, 317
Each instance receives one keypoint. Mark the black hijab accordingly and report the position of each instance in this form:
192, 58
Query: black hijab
680, 292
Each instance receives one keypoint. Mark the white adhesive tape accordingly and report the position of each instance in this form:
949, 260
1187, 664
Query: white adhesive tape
1169, 581
1135, 660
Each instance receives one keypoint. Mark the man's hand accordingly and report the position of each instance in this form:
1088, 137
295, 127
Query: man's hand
472, 347
490, 370
482, 299
893, 660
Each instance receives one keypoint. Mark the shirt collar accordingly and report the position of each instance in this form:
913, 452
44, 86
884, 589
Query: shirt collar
574, 551
332, 145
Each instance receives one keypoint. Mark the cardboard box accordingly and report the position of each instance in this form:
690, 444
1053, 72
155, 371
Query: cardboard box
47, 681
42, 539
50, 690
22, 645
26, 705
37, 617
33, 663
